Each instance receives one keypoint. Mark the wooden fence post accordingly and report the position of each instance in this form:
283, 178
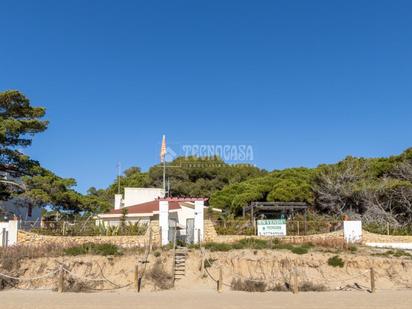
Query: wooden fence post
220, 281
202, 264
60, 283
295, 285
150, 240
373, 289
160, 236
387, 228
174, 256
139, 283
298, 228
136, 276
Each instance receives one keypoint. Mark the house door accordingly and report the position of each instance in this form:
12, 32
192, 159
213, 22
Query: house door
190, 230
172, 230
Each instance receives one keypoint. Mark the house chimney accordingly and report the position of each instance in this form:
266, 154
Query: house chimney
118, 199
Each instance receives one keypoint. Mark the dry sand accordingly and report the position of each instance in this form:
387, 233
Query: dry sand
205, 299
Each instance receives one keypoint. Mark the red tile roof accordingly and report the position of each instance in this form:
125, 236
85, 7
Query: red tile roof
148, 207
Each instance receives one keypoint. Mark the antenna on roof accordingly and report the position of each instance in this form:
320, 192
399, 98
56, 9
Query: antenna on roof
118, 178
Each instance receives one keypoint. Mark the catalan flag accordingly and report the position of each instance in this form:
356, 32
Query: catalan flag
163, 149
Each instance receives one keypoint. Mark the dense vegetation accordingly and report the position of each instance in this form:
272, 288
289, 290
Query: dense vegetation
378, 190
187, 177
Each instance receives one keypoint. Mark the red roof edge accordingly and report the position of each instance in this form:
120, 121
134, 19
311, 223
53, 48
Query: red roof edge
183, 199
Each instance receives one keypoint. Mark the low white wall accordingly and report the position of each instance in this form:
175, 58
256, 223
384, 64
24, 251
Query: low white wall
199, 221
10, 229
164, 221
394, 245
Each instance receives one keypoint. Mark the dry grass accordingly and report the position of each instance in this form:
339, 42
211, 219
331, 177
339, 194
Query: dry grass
248, 285
160, 278
77, 286
10, 257
312, 287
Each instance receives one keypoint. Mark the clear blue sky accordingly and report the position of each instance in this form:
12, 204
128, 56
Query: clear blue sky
304, 82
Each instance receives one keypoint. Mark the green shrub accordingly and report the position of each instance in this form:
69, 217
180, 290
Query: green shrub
215, 246
89, 228
399, 253
259, 244
336, 261
156, 253
283, 246
299, 250
379, 228
92, 248
209, 262
353, 248
394, 253
251, 243
307, 245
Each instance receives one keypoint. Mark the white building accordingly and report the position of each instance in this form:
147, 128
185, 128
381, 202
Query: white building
135, 196
22, 209
142, 205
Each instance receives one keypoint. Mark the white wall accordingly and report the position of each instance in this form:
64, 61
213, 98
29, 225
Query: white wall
11, 228
164, 221
134, 196
118, 201
183, 214
199, 220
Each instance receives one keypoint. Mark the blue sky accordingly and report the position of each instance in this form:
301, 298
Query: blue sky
304, 82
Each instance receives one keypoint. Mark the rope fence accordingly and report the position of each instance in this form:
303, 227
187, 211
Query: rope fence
291, 277
295, 274
61, 270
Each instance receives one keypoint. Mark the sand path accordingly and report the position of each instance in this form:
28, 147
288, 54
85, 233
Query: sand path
205, 299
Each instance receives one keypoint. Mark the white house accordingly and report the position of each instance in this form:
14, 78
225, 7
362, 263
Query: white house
135, 196
22, 209
18, 207
142, 205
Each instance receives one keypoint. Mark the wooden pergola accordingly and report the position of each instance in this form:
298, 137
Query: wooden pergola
256, 208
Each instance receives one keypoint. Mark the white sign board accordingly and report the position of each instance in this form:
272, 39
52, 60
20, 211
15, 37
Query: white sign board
352, 231
271, 227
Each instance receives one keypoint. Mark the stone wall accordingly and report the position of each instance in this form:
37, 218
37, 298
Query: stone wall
210, 232
27, 238
291, 239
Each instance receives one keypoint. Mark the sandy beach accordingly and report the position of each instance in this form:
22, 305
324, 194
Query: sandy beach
205, 299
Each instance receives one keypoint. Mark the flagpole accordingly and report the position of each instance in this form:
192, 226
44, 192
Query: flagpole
164, 176
163, 160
